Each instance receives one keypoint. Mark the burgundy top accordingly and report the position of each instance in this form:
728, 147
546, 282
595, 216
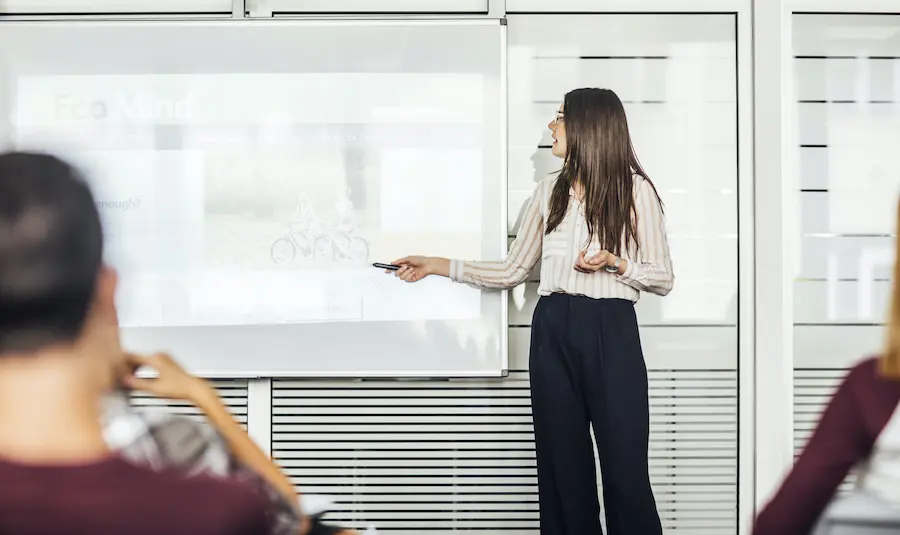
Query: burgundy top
115, 497
848, 433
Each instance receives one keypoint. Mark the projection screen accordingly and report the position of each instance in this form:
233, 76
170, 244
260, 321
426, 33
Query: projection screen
248, 173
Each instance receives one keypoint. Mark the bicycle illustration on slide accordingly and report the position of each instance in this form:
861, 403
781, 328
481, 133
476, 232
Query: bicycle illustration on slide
340, 241
284, 250
332, 239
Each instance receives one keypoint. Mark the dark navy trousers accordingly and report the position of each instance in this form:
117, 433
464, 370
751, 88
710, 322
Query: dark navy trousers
587, 369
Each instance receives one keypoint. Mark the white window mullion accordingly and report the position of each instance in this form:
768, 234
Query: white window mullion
259, 413
746, 276
773, 257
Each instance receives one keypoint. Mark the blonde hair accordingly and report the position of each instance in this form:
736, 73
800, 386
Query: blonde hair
890, 361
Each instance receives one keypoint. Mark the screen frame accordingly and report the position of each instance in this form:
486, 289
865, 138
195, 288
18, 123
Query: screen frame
250, 372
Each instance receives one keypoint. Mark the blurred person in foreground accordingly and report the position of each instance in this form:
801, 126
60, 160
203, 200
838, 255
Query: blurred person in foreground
859, 428
59, 358
217, 447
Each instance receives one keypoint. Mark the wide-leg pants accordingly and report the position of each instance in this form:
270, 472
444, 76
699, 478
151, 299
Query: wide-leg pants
587, 369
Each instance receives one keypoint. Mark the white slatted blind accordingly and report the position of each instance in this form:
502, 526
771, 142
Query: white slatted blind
813, 389
232, 391
412, 457
693, 454
431, 456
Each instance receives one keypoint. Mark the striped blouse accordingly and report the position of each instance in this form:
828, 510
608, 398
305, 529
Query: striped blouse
649, 267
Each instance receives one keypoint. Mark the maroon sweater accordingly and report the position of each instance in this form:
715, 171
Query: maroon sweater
848, 433
114, 497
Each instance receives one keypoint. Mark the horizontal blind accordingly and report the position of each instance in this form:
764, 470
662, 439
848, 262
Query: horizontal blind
432, 456
233, 393
813, 388
693, 449
414, 457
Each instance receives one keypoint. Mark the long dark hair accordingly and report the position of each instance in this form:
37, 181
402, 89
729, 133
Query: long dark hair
601, 158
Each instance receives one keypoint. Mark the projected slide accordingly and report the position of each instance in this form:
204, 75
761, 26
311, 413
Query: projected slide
246, 189
275, 211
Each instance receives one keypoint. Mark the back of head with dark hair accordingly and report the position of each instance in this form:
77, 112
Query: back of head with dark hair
51, 251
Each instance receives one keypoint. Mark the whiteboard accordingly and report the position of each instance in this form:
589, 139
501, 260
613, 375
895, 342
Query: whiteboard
248, 174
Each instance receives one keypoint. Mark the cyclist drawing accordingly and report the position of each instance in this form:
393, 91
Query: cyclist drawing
332, 238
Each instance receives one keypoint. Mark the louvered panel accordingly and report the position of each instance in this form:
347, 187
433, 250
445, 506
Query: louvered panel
232, 391
813, 389
432, 456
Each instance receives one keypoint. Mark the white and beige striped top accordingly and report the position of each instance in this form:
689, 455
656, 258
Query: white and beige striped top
649, 267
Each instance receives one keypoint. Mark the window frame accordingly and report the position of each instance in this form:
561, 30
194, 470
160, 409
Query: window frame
750, 462
368, 7
116, 7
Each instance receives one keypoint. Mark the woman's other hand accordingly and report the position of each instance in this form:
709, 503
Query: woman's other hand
595, 263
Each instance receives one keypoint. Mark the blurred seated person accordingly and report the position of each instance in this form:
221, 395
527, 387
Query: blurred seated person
59, 357
222, 448
859, 428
